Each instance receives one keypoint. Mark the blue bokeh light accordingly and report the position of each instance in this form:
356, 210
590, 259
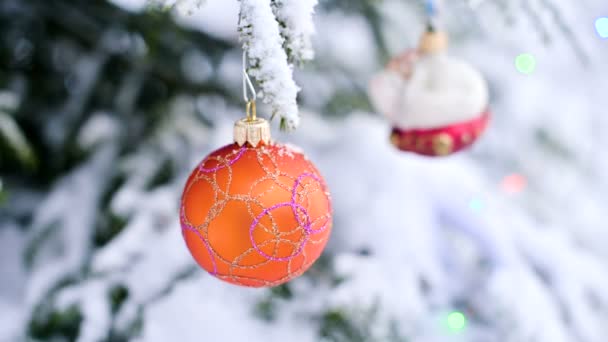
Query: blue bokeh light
601, 26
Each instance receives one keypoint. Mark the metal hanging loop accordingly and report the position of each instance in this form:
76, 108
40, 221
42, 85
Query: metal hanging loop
251, 111
249, 93
250, 130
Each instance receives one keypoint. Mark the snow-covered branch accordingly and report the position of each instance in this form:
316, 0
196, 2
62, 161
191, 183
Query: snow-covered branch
276, 34
182, 6
268, 61
297, 27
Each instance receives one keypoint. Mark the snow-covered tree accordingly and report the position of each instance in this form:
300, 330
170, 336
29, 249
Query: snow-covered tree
106, 107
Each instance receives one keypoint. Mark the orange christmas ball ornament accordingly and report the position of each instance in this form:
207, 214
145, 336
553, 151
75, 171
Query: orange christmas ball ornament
255, 213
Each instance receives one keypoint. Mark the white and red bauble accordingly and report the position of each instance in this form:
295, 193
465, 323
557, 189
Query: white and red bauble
437, 104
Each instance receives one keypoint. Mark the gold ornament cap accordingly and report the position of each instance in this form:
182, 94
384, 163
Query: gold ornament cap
433, 42
252, 131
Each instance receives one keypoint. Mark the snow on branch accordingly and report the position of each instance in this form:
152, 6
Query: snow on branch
181, 6
261, 38
297, 27
276, 34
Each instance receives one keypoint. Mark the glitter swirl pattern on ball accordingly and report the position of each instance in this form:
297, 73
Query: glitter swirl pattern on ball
256, 217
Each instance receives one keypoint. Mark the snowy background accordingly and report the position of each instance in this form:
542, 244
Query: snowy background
512, 234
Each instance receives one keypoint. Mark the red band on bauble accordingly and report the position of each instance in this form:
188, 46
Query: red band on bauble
441, 141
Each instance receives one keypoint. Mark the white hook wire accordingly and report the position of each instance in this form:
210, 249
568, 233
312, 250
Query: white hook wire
431, 7
247, 84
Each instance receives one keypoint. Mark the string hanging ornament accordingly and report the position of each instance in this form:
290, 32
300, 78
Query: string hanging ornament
437, 104
255, 213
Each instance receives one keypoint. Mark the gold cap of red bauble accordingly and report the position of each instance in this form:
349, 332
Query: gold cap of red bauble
433, 42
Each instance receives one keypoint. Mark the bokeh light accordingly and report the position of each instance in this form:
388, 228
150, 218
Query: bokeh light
525, 63
514, 183
476, 204
601, 26
457, 321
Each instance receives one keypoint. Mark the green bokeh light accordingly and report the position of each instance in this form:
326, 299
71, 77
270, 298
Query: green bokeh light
457, 321
525, 63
